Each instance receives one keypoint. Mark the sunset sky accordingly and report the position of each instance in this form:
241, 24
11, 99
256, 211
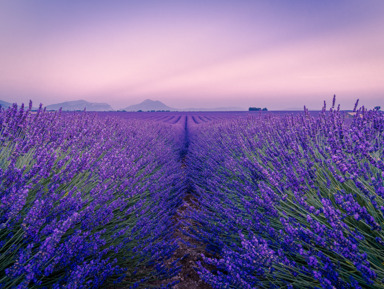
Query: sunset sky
204, 53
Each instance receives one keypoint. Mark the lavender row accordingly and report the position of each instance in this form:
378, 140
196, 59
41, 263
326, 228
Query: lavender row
290, 201
86, 200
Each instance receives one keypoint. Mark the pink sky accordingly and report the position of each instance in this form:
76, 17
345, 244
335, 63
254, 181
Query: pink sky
200, 54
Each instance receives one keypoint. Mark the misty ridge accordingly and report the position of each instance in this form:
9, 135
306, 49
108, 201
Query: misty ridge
147, 105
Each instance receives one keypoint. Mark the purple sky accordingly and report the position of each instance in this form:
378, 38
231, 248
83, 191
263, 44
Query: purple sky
274, 53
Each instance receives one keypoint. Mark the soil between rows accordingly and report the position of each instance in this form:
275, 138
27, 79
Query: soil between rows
188, 277
188, 255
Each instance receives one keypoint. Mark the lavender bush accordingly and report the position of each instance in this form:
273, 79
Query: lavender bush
291, 201
284, 200
85, 199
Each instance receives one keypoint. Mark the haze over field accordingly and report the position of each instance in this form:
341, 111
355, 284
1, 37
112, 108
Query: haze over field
276, 54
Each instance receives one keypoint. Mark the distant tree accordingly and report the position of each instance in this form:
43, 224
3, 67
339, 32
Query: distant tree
254, 108
139, 110
265, 109
377, 108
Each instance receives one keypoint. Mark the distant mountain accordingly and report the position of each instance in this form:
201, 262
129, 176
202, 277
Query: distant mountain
5, 104
148, 105
80, 105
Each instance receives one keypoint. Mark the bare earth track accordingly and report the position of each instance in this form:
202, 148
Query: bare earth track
188, 277
189, 250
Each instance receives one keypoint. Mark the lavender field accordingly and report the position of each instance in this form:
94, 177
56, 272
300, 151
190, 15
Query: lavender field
274, 199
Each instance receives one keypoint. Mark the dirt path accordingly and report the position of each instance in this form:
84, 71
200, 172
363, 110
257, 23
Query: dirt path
189, 250
188, 254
